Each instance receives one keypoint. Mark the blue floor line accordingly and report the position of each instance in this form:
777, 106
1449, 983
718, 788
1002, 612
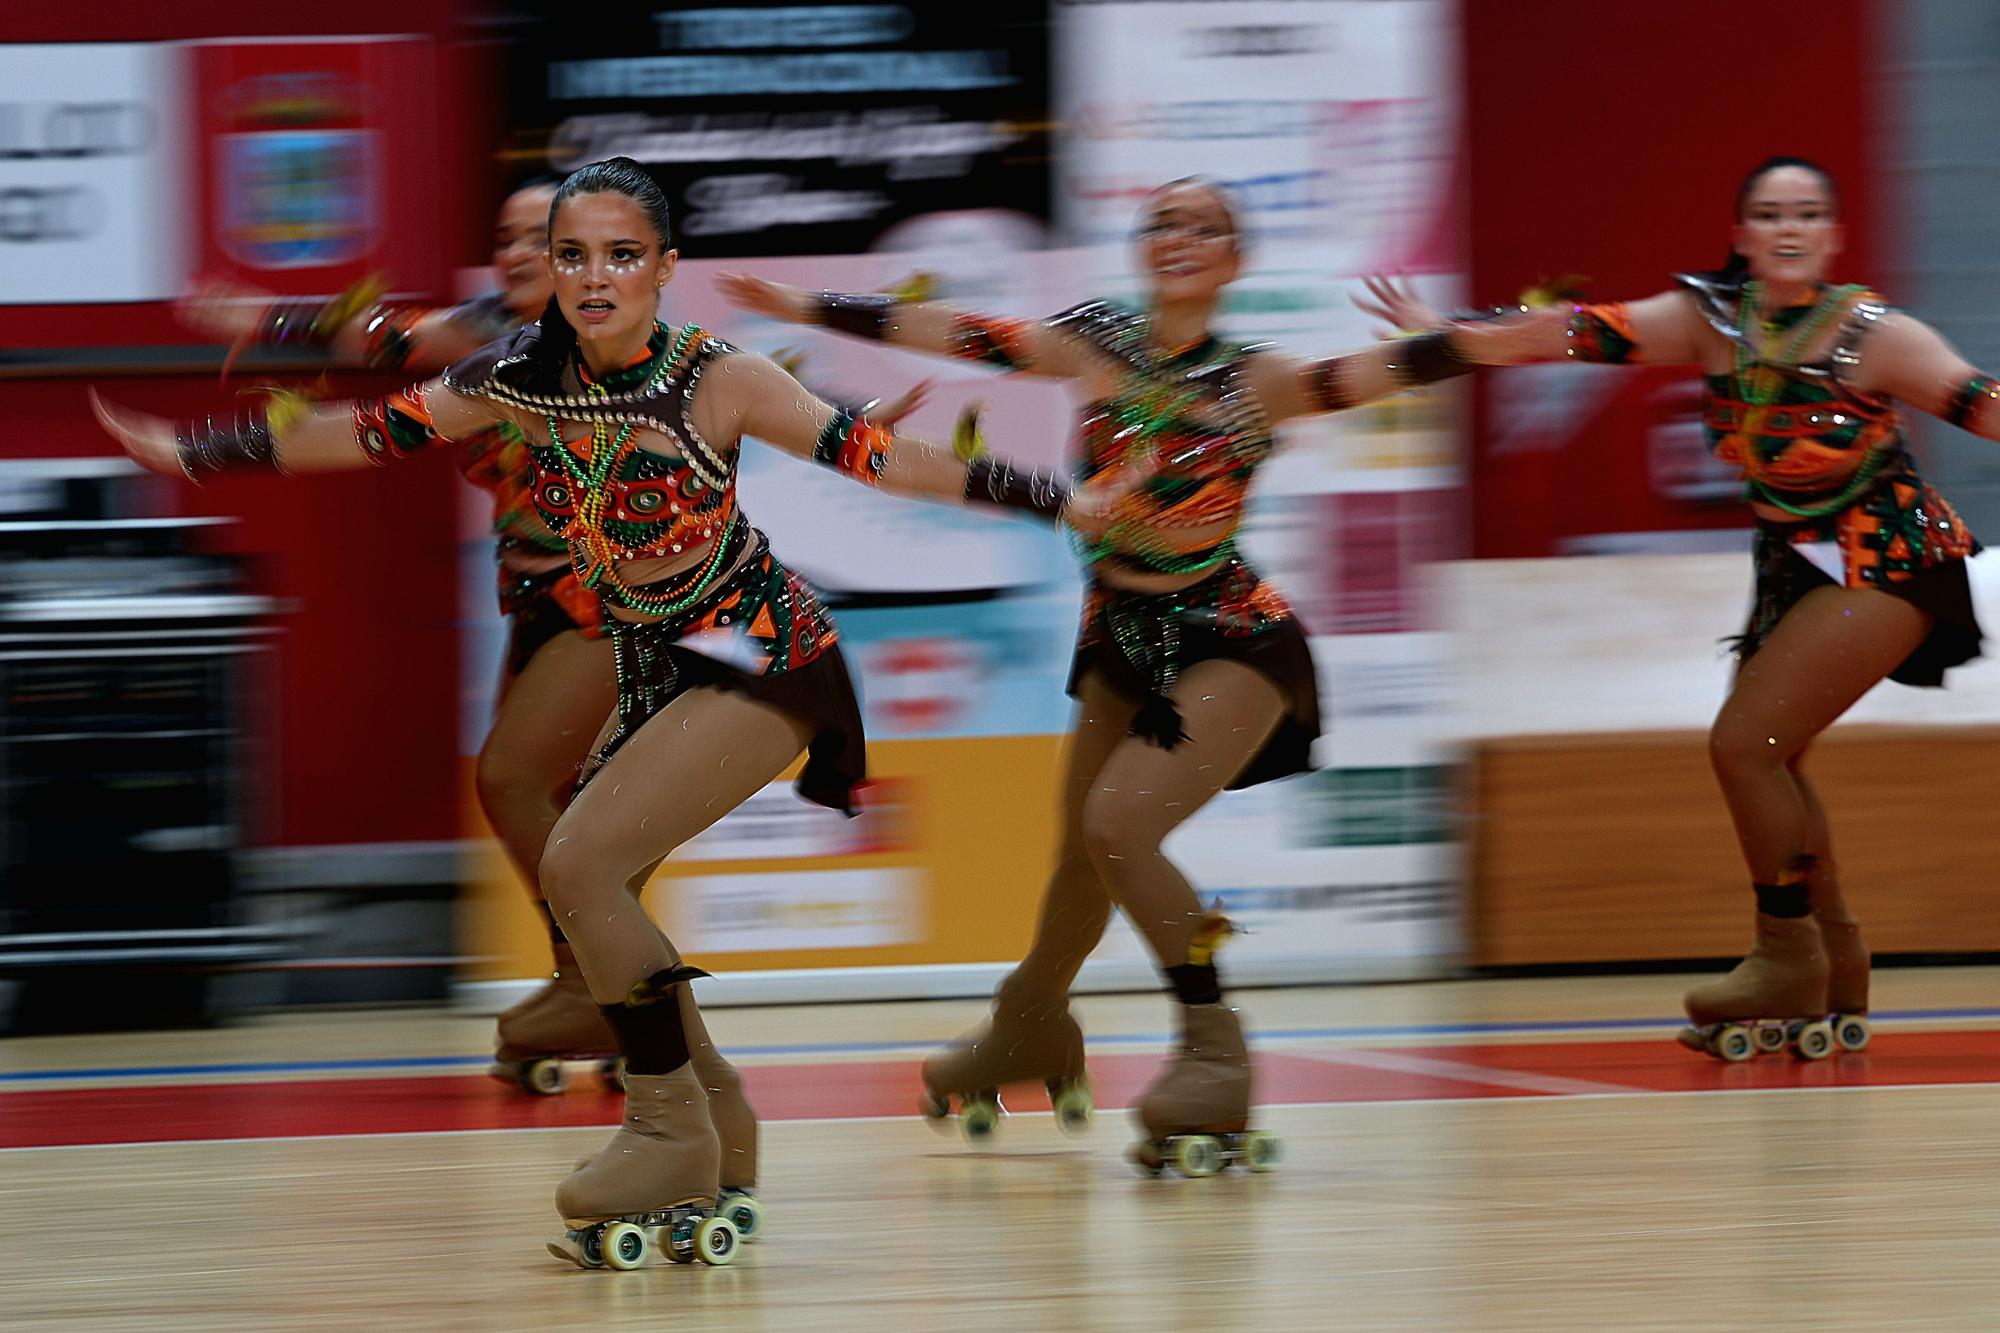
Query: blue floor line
437, 1062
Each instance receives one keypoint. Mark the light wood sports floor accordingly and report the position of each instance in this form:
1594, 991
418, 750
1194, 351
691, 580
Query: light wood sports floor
1523, 1154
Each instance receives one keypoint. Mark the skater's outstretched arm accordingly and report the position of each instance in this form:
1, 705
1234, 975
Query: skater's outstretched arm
354, 328
755, 396
290, 435
1907, 359
1026, 347
1659, 330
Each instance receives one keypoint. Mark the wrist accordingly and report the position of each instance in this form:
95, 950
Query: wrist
862, 314
243, 443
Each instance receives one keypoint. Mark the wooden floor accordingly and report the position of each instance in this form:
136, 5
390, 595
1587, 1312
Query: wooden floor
1476, 1155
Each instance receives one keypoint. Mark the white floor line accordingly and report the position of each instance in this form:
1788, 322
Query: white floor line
1460, 1071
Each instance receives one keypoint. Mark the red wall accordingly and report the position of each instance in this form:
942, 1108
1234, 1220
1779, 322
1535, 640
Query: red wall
367, 670
1608, 140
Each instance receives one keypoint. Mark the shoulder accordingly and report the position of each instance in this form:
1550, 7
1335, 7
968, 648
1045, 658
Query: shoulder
503, 361
1116, 330
483, 317
1094, 314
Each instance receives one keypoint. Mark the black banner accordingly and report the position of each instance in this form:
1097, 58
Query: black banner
788, 128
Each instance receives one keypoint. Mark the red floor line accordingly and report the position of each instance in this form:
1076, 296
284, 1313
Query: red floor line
338, 1106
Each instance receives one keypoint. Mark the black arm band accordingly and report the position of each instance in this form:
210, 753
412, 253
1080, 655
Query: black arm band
295, 323
865, 315
237, 445
1427, 359
1958, 411
992, 481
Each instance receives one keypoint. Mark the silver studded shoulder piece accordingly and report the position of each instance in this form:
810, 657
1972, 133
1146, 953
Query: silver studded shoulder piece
1862, 317
1112, 329
1718, 299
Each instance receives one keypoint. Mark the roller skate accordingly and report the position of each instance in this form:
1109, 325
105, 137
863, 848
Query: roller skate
557, 1023
735, 1125
1196, 1115
1846, 983
1775, 998
649, 1197
1026, 1040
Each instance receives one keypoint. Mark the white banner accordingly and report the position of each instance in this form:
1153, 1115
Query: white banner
92, 173
816, 910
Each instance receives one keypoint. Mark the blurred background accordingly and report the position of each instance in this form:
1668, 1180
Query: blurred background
237, 723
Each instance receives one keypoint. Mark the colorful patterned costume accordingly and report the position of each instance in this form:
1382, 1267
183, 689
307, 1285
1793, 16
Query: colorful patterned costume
1182, 437
762, 630
1832, 458
538, 606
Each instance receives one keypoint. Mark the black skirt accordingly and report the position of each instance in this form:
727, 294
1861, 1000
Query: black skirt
1942, 590
1181, 629
819, 693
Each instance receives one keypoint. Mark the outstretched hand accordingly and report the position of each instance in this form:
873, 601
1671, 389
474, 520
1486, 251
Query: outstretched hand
879, 413
1397, 305
774, 300
149, 439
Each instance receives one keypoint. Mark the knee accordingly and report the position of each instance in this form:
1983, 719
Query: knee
564, 871
1115, 832
494, 779
1737, 752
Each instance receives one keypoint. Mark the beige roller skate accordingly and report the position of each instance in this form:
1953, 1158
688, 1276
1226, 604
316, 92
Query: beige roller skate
649, 1197
1846, 983
558, 1023
1775, 998
734, 1120
1196, 1116
1026, 1040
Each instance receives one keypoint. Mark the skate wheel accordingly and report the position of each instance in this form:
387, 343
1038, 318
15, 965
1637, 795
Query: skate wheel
1146, 1156
1851, 1032
680, 1242
1732, 1043
715, 1241
934, 1106
1770, 1038
979, 1117
1814, 1041
590, 1244
612, 1072
1073, 1107
743, 1212
1197, 1155
1260, 1151
544, 1076
624, 1246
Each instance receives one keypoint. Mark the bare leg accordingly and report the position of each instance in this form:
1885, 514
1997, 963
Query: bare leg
1031, 1036
527, 769
1828, 651
1228, 712
687, 767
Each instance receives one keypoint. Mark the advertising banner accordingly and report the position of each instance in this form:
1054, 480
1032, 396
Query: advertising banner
92, 172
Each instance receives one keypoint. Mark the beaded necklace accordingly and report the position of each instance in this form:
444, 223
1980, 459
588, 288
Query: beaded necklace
599, 569
1760, 380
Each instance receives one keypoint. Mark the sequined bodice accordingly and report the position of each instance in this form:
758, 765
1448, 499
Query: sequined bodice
594, 485
646, 505
1805, 440
1186, 425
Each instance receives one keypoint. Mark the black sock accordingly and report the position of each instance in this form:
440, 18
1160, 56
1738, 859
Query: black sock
1195, 983
651, 1037
1786, 900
